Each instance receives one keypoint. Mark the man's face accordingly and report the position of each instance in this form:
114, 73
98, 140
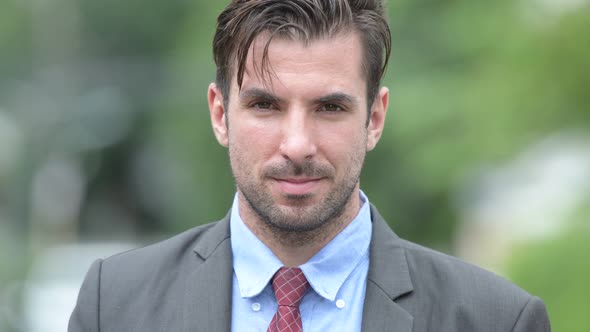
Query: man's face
298, 138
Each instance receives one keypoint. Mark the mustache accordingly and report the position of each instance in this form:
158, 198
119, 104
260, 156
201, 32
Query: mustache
290, 169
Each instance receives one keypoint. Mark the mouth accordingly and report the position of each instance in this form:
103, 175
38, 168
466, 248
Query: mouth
297, 186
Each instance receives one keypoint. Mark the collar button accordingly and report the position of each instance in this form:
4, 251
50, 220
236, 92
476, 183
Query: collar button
256, 307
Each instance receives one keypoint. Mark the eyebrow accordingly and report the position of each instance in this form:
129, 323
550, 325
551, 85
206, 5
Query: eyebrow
336, 97
256, 93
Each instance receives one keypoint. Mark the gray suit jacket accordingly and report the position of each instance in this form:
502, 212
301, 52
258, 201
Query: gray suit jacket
184, 284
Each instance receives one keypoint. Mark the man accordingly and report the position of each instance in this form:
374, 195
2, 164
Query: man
297, 103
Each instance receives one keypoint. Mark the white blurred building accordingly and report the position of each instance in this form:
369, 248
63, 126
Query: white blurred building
531, 198
51, 289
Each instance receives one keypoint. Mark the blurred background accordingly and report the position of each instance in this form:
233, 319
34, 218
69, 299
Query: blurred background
105, 141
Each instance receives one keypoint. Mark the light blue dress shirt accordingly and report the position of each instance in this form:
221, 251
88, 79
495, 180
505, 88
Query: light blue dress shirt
337, 275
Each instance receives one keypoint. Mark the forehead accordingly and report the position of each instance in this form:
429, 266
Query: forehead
331, 63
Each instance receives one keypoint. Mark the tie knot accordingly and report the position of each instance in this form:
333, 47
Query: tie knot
289, 285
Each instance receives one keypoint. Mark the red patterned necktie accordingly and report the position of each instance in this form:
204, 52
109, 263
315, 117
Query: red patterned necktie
289, 285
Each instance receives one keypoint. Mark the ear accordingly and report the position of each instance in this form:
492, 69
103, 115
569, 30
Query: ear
377, 118
218, 114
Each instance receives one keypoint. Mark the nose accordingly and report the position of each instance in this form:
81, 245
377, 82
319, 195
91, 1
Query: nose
297, 142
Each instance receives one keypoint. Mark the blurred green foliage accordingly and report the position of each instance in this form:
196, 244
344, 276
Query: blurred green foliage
558, 271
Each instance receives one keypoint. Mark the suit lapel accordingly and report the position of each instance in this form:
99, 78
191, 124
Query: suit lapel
209, 286
388, 279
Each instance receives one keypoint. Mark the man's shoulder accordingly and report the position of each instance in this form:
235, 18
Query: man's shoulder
434, 274
443, 283
171, 252
444, 293
144, 288
432, 266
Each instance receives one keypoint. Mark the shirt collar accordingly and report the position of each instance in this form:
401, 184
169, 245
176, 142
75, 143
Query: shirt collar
327, 270
255, 264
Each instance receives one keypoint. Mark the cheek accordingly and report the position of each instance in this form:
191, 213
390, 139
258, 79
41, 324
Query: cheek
344, 136
343, 142
253, 142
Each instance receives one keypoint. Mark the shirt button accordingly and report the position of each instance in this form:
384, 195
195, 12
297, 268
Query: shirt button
256, 306
340, 304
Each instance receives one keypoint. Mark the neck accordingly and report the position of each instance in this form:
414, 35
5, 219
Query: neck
294, 248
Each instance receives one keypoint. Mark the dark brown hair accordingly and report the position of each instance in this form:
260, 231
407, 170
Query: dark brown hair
305, 20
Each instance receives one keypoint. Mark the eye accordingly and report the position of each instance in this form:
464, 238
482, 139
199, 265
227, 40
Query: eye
331, 108
263, 106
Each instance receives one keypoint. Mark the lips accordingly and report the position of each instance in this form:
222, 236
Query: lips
298, 186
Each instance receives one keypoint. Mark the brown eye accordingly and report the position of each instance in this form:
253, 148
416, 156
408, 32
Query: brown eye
263, 106
331, 108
